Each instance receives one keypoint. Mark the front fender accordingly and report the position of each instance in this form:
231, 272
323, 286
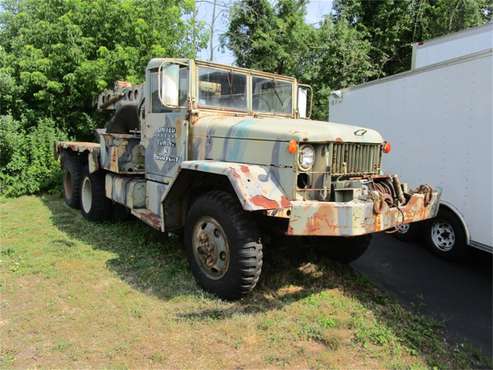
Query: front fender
254, 185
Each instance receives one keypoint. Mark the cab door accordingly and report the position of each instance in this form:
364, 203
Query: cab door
165, 135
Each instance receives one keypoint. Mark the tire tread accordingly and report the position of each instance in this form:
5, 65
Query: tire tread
247, 239
72, 164
101, 208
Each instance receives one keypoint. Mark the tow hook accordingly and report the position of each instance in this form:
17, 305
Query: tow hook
427, 191
378, 201
398, 189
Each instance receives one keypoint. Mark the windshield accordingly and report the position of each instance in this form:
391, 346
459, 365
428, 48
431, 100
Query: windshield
222, 89
271, 96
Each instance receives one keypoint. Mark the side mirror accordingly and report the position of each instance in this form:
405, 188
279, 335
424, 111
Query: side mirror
169, 82
304, 101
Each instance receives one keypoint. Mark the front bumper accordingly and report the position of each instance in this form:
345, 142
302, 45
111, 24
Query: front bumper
357, 217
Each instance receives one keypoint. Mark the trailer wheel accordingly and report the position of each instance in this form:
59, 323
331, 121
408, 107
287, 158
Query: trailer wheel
223, 245
94, 205
343, 249
446, 236
72, 179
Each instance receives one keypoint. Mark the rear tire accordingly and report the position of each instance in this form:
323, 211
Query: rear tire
223, 246
94, 205
343, 249
445, 235
72, 179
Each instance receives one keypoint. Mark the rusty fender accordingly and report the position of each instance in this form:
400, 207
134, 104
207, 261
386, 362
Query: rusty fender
356, 217
254, 185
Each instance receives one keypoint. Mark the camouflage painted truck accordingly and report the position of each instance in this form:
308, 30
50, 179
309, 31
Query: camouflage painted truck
229, 158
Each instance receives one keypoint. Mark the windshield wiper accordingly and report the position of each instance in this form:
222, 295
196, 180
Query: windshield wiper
275, 92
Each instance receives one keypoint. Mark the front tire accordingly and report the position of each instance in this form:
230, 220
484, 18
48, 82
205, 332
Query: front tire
343, 249
94, 205
223, 246
445, 235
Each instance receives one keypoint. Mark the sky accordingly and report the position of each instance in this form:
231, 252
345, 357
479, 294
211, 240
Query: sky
316, 9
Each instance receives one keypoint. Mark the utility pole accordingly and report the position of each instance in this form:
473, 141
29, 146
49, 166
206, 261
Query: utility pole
213, 21
194, 30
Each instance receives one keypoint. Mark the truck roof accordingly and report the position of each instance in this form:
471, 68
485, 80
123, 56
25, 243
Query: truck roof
156, 62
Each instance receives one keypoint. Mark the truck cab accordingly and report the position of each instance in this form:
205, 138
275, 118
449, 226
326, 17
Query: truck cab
230, 158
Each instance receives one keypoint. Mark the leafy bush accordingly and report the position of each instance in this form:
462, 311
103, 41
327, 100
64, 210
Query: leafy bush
26, 156
56, 56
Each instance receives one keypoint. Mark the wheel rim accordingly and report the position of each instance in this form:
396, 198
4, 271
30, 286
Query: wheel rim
443, 236
86, 194
67, 184
211, 248
403, 228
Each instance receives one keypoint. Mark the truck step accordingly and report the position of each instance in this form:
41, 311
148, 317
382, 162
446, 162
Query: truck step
148, 217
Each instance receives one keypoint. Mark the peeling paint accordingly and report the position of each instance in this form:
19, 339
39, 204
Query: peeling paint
262, 201
255, 188
356, 217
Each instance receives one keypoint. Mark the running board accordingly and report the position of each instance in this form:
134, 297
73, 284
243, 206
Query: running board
148, 217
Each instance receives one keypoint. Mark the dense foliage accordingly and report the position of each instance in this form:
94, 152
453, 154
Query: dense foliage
392, 25
360, 40
57, 55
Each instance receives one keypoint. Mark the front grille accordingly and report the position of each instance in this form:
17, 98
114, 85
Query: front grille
334, 160
355, 158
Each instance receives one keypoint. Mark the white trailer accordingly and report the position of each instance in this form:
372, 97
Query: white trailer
438, 118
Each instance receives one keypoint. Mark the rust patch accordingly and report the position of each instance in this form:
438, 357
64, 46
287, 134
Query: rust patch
245, 169
113, 160
285, 203
325, 220
261, 201
234, 173
148, 217
312, 226
339, 140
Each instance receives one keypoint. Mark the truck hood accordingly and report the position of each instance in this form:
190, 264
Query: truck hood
282, 129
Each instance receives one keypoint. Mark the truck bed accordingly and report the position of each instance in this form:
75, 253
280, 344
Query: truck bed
77, 146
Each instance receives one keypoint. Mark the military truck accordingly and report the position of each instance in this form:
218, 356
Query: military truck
229, 158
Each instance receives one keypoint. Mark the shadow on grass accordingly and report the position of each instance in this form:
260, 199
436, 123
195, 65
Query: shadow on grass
156, 265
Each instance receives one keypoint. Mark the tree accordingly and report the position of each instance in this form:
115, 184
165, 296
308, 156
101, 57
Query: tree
338, 57
62, 53
267, 37
392, 25
277, 39
360, 39
56, 56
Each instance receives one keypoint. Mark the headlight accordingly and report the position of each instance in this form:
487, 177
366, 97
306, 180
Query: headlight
306, 157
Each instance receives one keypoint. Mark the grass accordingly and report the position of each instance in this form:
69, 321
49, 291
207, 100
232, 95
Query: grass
77, 294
